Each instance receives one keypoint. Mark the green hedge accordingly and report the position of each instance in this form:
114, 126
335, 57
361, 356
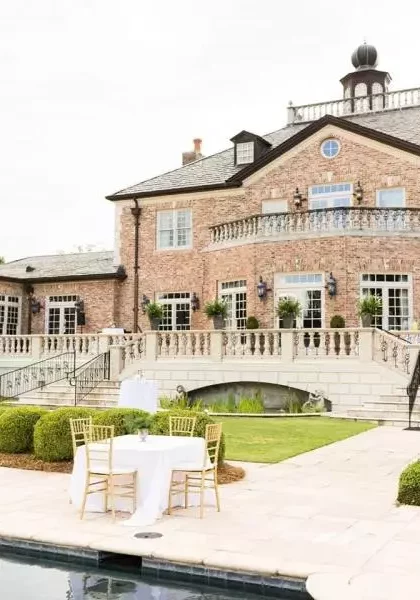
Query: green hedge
17, 428
160, 425
52, 437
409, 486
117, 417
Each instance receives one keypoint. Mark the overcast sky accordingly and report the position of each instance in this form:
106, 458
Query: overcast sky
97, 95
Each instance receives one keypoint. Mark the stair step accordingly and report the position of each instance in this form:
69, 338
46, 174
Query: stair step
415, 422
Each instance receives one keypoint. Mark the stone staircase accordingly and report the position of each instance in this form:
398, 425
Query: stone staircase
388, 410
62, 394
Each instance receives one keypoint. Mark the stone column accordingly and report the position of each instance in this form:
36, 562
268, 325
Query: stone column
216, 345
287, 351
366, 344
151, 345
36, 347
116, 362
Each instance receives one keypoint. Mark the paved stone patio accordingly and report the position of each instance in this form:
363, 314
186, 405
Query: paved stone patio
330, 510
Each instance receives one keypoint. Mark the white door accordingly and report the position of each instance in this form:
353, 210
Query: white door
308, 289
395, 292
61, 315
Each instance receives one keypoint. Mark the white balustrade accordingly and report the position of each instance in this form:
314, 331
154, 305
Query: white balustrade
261, 344
394, 352
133, 350
15, 345
179, 344
326, 343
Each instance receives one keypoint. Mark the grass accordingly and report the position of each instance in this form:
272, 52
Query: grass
271, 440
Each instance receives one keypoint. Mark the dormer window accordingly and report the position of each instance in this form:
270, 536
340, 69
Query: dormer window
245, 153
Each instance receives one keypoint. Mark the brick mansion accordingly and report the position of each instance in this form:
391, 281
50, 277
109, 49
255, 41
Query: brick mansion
326, 209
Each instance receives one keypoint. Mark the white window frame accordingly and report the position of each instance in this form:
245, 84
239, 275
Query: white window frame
7, 303
390, 189
183, 298
332, 192
276, 205
386, 285
295, 285
174, 213
57, 301
234, 289
245, 152
327, 141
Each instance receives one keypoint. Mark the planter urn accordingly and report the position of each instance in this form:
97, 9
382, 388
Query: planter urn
367, 320
288, 321
218, 321
154, 323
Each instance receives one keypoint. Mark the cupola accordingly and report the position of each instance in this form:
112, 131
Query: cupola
248, 147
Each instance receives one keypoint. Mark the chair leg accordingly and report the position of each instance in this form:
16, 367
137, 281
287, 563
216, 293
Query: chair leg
134, 491
85, 494
170, 494
110, 486
106, 496
216, 491
186, 490
202, 496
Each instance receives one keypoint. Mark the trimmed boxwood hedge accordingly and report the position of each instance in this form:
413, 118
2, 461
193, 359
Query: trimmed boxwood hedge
116, 417
409, 486
17, 428
160, 425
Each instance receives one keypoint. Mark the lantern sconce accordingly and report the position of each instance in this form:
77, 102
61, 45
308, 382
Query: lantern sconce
145, 301
195, 302
297, 198
331, 285
358, 192
262, 289
35, 305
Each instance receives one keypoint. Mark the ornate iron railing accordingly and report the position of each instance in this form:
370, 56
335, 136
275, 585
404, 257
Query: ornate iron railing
87, 377
413, 388
37, 375
353, 106
333, 221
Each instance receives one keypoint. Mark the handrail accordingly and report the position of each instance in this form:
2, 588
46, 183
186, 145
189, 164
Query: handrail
87, 377
37, 375
413, 388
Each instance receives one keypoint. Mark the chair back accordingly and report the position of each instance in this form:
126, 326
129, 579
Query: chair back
77, 428
213, 438
99, 441
182, 426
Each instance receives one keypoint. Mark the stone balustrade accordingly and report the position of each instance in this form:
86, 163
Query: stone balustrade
328, 221
351, 106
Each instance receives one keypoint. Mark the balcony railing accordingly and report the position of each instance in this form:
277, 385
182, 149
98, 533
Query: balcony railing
336, 221
353, 106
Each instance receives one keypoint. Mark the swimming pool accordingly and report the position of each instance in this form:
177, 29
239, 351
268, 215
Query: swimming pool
24, 578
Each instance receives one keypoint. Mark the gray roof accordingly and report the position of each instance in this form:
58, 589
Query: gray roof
61, 265
216, 169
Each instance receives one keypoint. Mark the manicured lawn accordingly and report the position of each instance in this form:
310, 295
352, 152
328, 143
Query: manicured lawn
272, 440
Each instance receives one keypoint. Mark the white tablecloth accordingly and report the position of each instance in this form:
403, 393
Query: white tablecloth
139, 393
154, 461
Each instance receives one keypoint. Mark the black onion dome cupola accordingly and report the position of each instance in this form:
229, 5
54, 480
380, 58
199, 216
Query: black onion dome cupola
365, 57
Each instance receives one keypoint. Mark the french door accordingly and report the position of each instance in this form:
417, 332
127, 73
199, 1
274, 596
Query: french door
312, 303
61, 315
233, 294
176, 311
395, 292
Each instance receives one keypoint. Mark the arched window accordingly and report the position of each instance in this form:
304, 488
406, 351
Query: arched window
377, 101
360, 90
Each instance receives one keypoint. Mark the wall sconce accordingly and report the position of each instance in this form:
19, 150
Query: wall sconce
297, 198
80, 312
145, 301
358, 192
331, 285
195, 302
35, 305
262, 289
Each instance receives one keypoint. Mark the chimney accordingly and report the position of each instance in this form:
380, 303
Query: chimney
189, 157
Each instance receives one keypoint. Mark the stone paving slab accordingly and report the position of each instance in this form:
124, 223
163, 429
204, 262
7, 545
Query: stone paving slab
331, 510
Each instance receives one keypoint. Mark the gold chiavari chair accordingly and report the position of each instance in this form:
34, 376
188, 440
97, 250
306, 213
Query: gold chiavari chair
182, 426
199, 477
78, 428
101, 476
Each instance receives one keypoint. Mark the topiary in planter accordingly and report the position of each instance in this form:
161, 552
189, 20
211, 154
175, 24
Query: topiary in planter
252, 323
337, 322
409, 485
17, 428
52, 435
120, 418
160, 425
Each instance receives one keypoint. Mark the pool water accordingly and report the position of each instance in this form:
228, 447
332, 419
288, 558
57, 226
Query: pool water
26, 578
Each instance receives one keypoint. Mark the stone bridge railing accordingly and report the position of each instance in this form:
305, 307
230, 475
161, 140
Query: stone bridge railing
322, 221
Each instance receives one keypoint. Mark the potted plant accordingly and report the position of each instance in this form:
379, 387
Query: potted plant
369, 307
139, 424
154, 312
216, 310
289, 309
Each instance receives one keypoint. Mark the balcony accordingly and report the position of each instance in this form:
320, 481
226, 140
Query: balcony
354, 106
313, 223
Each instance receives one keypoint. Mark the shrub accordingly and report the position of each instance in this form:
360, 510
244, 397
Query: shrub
409, 485
337, 322
292, 404
254, 404
120, 418
52, 436
160, 425
252, 323
17, 428
215, 308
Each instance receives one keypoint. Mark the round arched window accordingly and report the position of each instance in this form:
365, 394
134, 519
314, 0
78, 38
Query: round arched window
330, 148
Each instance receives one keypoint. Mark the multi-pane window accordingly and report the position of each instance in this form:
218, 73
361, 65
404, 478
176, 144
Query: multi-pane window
176, 311
174, 229
61, 315
394, 289
244, 153
391, 198
9, 315
233, 293
308, 290
334, 195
